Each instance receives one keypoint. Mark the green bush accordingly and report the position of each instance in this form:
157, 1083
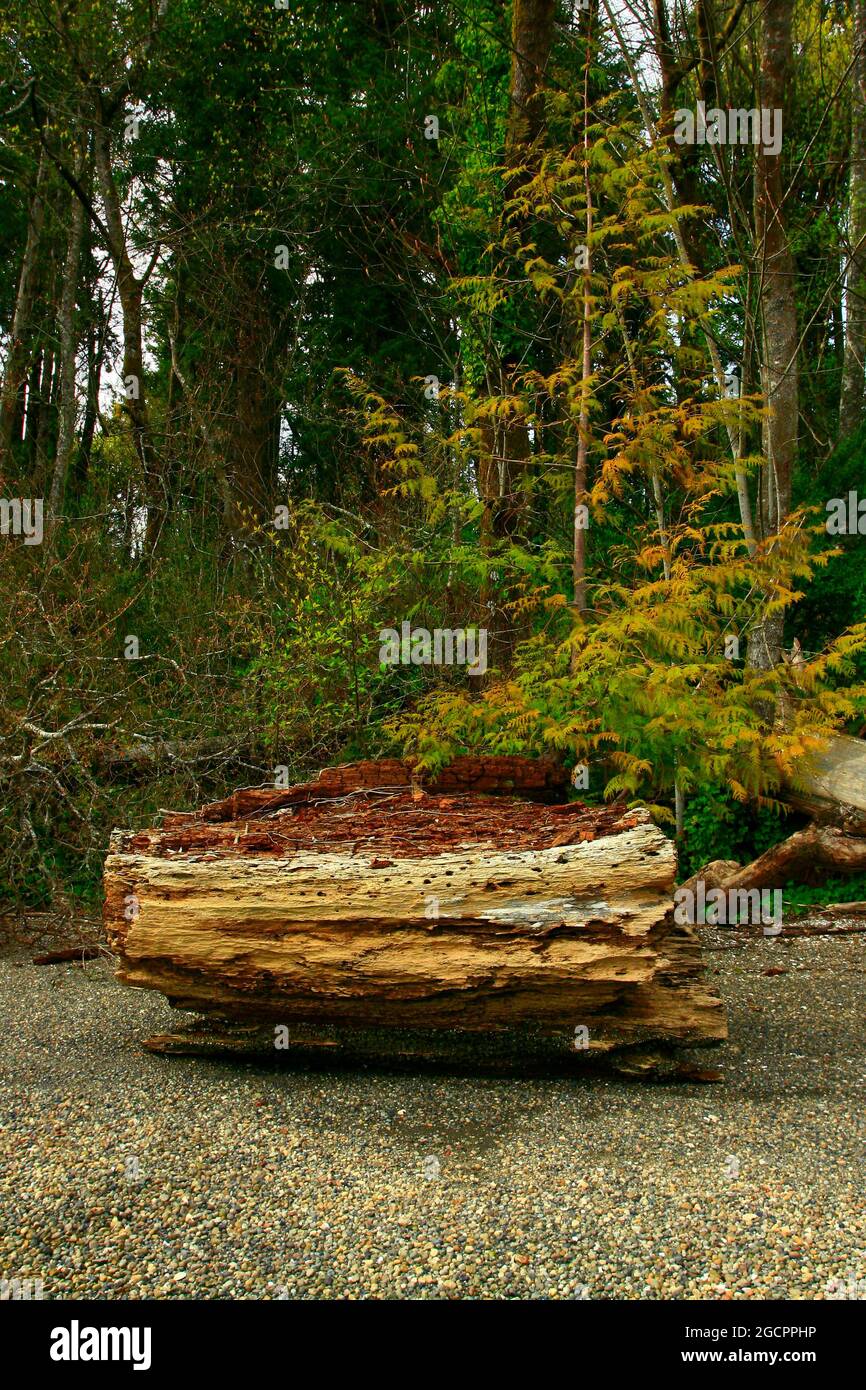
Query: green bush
716, 826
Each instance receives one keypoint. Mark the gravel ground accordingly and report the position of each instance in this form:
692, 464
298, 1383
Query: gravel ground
126, 1175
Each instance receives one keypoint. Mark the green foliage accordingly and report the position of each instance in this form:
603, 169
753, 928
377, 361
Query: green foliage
640, 686
851, 888
409, 259
718, 826
836, 596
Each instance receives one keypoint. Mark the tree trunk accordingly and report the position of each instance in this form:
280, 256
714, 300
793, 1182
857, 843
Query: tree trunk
252, 430
45, 435
506, 450
130, 289
851, 399
779, 382
532, 23
38, 393
831, 786
400, 908
580, 469
96, 336
18, 355
68, 345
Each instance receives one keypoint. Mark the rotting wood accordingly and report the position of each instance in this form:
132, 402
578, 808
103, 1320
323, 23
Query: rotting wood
412, 909
809, 856
534, 779
76, 954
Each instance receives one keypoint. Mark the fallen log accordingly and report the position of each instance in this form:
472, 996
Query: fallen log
78, 954
809, 856
385, 906
830, 785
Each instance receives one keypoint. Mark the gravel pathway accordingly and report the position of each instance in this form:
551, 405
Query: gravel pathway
126, 1175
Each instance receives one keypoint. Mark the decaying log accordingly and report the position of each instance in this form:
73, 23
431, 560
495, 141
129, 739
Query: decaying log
807, 857
77, 954
387, 906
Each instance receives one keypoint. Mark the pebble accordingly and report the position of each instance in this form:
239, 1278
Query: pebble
126, 1175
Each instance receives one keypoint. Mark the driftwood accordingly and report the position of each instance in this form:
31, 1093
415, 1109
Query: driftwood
78, 954
830, 786
809, 856
362, 900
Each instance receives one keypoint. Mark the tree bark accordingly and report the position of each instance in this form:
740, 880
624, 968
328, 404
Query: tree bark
130, 289
506, 451
831, 786
532, 779
46, 409
851, 399
18, 356
38, 404
532, 24
68, 345
779, 343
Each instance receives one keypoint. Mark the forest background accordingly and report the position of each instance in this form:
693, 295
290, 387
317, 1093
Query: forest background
321, 318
